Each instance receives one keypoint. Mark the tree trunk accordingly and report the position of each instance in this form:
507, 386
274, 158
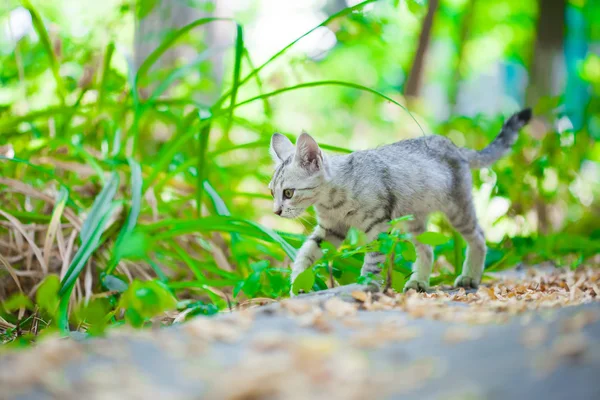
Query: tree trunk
155, 19
413, 83
546, 68
547, 64
465, 29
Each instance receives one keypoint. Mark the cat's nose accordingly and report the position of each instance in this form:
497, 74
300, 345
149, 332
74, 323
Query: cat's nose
278, 212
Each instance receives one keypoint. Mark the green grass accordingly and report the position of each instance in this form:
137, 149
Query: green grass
134, 226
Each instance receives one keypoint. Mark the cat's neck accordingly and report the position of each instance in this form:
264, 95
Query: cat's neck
334, 195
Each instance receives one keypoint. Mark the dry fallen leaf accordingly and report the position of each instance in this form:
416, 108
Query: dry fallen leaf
572, 346
339, 308
360, 296
457, 334
534, 336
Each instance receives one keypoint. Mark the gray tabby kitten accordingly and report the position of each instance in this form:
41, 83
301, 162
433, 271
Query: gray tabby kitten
367, 189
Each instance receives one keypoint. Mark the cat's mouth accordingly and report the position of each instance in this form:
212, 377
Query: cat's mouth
292, 213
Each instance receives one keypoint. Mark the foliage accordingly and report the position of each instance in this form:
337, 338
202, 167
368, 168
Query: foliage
124, 198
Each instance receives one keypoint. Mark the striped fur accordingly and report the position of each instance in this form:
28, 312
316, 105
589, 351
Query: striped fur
366, 189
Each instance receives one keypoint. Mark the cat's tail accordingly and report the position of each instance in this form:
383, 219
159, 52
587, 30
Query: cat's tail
501, 144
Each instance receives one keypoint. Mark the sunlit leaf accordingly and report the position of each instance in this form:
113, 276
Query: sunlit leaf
433, 238
304, 281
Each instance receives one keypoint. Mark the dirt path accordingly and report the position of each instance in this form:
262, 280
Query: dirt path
541, 342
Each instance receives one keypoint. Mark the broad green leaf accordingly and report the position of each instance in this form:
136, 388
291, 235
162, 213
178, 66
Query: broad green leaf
304, 281
432, 238
408, 251
111, 282
252, 284
94, 314
134, 246
259, 266
46, 296
398, 281
144, 300
416, 6
17, 301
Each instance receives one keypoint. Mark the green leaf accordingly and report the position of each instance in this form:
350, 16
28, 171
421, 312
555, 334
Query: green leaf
17, 301
433, 238
401, 219
144, 300
304, 281
546, 105
111, 282
46, 296
408, 251
94, 314
145, 7
259, 266
252, 284
133, 246
416, 6
201, 308
398, 281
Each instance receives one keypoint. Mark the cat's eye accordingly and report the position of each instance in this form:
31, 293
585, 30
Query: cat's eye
288, 193
272, 195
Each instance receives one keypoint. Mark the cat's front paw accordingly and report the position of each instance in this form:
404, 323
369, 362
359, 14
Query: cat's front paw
466, 282
419, 286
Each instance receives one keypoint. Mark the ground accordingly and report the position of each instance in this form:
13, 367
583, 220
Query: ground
534, 334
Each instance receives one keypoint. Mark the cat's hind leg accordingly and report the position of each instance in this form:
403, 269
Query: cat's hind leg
465, 222
419, 280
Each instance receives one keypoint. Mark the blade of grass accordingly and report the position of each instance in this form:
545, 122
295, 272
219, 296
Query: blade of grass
77, 264
100, 207
264, 143
329, 83
218, 223
335, 16
267, 107
59, 207
69, 116
180, 72
40, 29
168, 152
134, 212
239, 51
110, 49
166, 44
202, 163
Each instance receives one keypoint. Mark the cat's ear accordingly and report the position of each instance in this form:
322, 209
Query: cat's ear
308, 153
281, 148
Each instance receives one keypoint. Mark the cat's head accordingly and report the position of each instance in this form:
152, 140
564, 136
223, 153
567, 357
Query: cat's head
299, 174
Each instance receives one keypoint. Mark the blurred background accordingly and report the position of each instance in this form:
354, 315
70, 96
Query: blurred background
134, 138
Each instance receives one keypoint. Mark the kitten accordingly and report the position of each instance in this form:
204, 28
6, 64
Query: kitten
367, 189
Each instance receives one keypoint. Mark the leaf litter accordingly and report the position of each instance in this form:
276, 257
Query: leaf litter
314, 362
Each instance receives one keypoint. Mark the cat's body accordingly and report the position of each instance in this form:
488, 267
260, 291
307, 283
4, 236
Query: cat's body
367, 189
